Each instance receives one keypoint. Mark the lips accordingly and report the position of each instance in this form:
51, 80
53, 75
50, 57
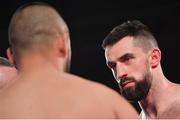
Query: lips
123, 84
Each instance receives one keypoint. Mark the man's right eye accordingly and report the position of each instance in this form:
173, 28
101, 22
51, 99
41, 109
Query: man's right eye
111, 65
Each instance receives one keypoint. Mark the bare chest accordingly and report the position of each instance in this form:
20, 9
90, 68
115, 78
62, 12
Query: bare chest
172, 111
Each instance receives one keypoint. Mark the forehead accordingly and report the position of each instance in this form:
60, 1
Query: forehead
123, 46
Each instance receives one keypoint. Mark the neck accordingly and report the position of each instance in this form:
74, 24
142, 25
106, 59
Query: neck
155, 102
39, 63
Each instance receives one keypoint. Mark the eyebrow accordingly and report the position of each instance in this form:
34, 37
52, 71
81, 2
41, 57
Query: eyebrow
126, 56
121, 58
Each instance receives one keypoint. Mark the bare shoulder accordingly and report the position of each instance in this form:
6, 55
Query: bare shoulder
97, 89
69, 95
176, 90
107, 98
93, 87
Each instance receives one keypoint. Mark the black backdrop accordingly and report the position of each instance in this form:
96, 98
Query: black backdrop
91, 20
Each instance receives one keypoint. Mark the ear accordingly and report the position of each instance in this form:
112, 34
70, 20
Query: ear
10, 55
62, 45
155, 57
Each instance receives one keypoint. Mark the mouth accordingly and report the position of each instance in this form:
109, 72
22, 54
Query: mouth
127, 83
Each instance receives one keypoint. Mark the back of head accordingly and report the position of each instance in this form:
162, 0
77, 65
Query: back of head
140, 32
33, 27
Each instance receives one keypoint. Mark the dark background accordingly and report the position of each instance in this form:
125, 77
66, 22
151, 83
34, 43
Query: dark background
91, 20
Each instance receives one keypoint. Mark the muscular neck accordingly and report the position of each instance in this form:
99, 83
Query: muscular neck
157, 99
39, 64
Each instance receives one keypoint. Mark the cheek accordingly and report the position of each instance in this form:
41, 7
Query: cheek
140, 69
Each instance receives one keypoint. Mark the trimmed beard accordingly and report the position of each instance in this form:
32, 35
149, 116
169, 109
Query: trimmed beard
139, 91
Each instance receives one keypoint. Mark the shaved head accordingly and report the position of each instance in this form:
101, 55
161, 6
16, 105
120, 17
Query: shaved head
34, 27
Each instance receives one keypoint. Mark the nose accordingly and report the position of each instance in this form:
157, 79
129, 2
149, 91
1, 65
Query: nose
121, 71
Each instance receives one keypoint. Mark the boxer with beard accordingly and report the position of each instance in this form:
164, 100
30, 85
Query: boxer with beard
133, 55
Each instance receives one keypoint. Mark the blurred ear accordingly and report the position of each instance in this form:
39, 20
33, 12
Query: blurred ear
155, 57
10, 55
62, 45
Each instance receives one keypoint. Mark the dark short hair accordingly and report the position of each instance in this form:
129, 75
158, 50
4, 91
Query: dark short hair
130, 28
5, 62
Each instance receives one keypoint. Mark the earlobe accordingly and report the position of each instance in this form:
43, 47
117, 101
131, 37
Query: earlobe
10, 55
155, 57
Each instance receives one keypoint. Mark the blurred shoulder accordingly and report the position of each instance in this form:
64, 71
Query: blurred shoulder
96, 88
